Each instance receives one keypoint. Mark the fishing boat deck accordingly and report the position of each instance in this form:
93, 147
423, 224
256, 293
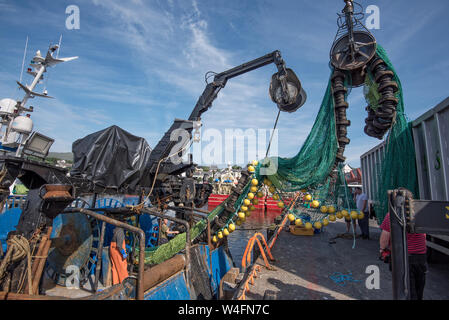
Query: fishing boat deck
306, 268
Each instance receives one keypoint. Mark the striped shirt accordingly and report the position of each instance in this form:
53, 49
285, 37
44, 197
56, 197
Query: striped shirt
416, 242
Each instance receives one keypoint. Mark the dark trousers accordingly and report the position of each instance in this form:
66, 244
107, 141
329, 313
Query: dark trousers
417, 270
364, 224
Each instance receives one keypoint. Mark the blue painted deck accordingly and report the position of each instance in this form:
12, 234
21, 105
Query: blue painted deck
175, 287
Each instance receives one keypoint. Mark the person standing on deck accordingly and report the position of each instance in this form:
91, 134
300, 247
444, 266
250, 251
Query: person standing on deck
362, 205
165, 232
117, 253
416, 247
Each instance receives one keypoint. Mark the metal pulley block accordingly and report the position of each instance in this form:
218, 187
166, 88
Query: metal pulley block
286, 91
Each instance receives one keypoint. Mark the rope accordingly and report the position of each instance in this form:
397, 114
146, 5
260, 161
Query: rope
138, 207
272, 134
3, 174
18, 248
351, 221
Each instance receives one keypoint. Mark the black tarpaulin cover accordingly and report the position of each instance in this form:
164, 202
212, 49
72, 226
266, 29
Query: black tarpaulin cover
111, 158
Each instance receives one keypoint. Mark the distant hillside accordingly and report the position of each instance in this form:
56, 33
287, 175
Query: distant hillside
67, 156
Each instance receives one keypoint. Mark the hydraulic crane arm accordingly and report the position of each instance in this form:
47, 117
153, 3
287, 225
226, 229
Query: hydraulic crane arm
220, 80
284, 78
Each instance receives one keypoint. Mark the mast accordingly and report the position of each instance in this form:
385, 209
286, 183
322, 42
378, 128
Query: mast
19, 127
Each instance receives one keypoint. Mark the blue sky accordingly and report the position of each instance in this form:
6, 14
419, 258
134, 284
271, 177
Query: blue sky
142, 63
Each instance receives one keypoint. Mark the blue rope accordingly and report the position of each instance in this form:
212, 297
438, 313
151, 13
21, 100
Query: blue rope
341, 279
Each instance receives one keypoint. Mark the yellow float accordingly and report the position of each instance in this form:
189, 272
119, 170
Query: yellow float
315, 204
267, 182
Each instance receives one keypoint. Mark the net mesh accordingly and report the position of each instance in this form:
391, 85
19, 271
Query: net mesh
398, 166
314, 161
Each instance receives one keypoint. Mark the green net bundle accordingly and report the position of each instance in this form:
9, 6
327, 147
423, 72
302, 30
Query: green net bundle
178, 243
398, 166
333, 199
311, 166
314, 161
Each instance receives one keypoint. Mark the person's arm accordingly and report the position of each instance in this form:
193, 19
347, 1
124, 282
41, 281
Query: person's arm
384, 241
172, 232
119, 238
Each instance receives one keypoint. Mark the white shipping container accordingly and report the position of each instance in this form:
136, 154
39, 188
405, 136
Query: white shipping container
370, 165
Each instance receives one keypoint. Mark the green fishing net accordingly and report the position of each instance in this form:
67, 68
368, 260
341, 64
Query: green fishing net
398, 166
313, 163
311, 166
178, 243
